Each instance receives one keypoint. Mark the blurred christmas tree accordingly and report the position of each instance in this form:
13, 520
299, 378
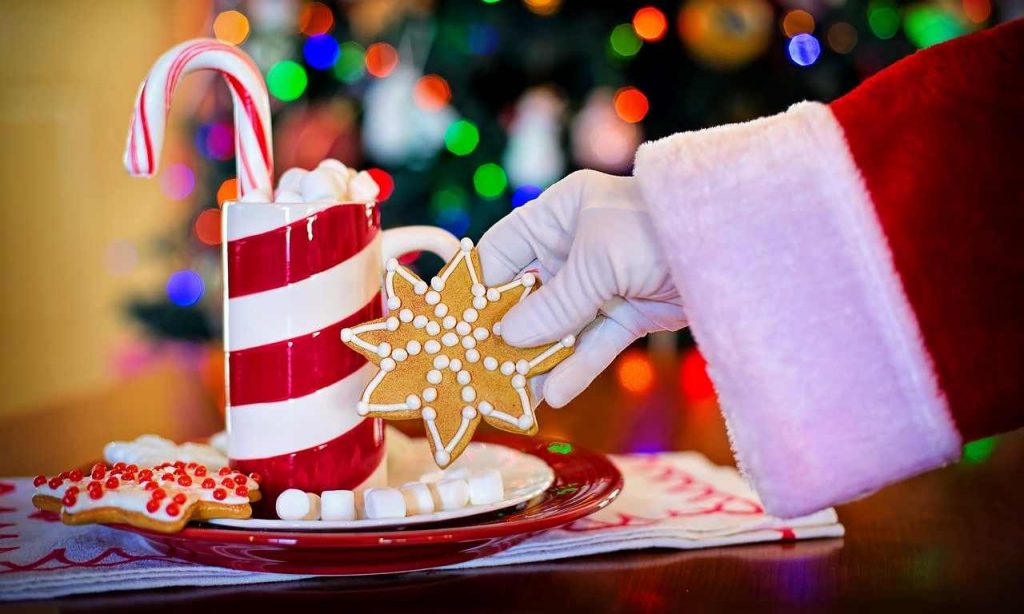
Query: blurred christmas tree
465, 109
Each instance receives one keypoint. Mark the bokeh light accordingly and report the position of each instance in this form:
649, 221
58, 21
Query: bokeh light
977, 11
231, 27
930, 25
351, 64
694, 382
449, 208
287, 80
461, 137
979, 450
883, 18
381, 59
315, 18
482, 39
228, 190
804, 49
797, 22
385, 182
650, 24
631, 104
634, 371
524, 194
432, 92
321, 51
185, 288
207, 226
216, 141
490, 180
543, 7
624, 42
177, 181
842, 37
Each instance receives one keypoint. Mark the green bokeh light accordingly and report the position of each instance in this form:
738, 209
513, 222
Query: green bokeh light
461, 137
979, 450
287, 80
883, 18
560, 447
490, 180
624, 41
930, 25
448, 198
351, 64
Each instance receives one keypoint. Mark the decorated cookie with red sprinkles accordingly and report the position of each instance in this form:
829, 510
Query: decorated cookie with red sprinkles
160, 498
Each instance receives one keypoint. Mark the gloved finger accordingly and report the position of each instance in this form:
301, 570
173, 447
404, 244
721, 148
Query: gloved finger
542, 229
596, 349
563, 306
536, 385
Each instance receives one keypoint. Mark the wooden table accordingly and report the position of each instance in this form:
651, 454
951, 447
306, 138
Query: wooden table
951, 539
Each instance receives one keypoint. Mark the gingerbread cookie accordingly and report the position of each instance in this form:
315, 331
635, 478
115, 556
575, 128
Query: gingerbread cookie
442, 358
161, 498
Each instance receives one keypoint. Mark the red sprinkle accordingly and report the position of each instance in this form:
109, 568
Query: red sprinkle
242, 491
209, 483
152, 505
132, 468
55, 483
63, 475
158, 494
167, 476
255, 477
112, 483
224, 471
180, 498
72, 489
97, 474
179, 464
119, 466
192, 465
172, 509
219, 494
239, 479
185, 480
70, 498
179, 471
93, 484
150, 485
98, 467
200, 471
95, 493
39, 481
128, 476
76, 474
145, 474
228, 482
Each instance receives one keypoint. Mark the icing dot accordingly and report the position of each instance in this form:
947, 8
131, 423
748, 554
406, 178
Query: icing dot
468, 342
485, 408
383, 349
437, 283
508, 368
420, 287
441, 457
413, 347
456, 365
433, 298
432, 347
468, 394
387, 365
522, 366
419, 321
394, 302
470, 315
392, 323
466, 244
429, 394
518, 381
569, 341
472, 356
490, 363
440, 362
412, 401
463, 377
433, 328
481, 333
478, 290
405, 315
493, 294
392, 264
346, 334
479, 302
462, 328
362, 408
525, 421
429, 413
434, 376
529, 279
450, 339
448, 322
440, 309
496, 329
399, 354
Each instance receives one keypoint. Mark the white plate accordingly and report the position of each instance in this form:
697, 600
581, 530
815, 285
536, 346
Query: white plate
524, 477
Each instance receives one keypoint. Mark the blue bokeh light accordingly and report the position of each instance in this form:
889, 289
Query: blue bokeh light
482, 39
185, 288
804, 49
321, 51
524, 194
455, 220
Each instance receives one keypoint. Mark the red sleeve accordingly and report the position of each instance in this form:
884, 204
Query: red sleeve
938, 139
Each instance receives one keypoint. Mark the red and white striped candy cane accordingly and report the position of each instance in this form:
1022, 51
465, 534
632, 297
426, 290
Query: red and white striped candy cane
253, 148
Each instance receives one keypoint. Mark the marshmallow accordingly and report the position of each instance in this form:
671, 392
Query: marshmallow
455, 473
450, 494
320, 185
433, 476
362, 187
291, 179
384, 503
486, 487
417, 498
338, 505
293, 504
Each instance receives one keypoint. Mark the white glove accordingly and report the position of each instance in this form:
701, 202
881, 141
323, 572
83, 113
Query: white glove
593, 240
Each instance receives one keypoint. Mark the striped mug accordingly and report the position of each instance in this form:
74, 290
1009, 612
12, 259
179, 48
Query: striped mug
295, 275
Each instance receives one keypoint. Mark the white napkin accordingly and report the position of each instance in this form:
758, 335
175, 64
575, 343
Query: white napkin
671, 500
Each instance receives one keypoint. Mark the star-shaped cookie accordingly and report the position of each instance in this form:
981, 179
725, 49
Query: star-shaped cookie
442, 358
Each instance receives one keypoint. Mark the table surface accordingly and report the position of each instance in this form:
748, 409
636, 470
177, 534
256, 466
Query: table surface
951, 538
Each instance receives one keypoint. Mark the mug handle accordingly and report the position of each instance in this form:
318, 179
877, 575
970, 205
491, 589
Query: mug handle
398, 241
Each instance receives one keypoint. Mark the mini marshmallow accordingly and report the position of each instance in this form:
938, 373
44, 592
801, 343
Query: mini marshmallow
384, 503
486, 487
417, 498
319, 185
433, 476
338, 505
450, 494
362, 187
291, 180
293, 504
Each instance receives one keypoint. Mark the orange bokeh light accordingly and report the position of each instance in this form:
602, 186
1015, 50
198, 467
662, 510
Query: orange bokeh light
650, 24
631, 104
381, 59
432, 92
635, 372
693, 377
231, 27
978, 11
227, 191
797, 22
207, 226
315, 18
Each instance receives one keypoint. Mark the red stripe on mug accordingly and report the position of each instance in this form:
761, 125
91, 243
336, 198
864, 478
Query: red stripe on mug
344, 462
299, 250
298, 366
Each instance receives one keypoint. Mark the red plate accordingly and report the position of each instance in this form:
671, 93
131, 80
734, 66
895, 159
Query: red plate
585, 482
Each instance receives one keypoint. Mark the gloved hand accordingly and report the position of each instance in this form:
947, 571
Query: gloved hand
593, 242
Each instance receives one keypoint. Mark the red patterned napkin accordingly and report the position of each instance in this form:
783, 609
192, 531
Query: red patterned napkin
671, 500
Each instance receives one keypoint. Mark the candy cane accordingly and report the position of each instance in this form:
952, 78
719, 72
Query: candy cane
253, 150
